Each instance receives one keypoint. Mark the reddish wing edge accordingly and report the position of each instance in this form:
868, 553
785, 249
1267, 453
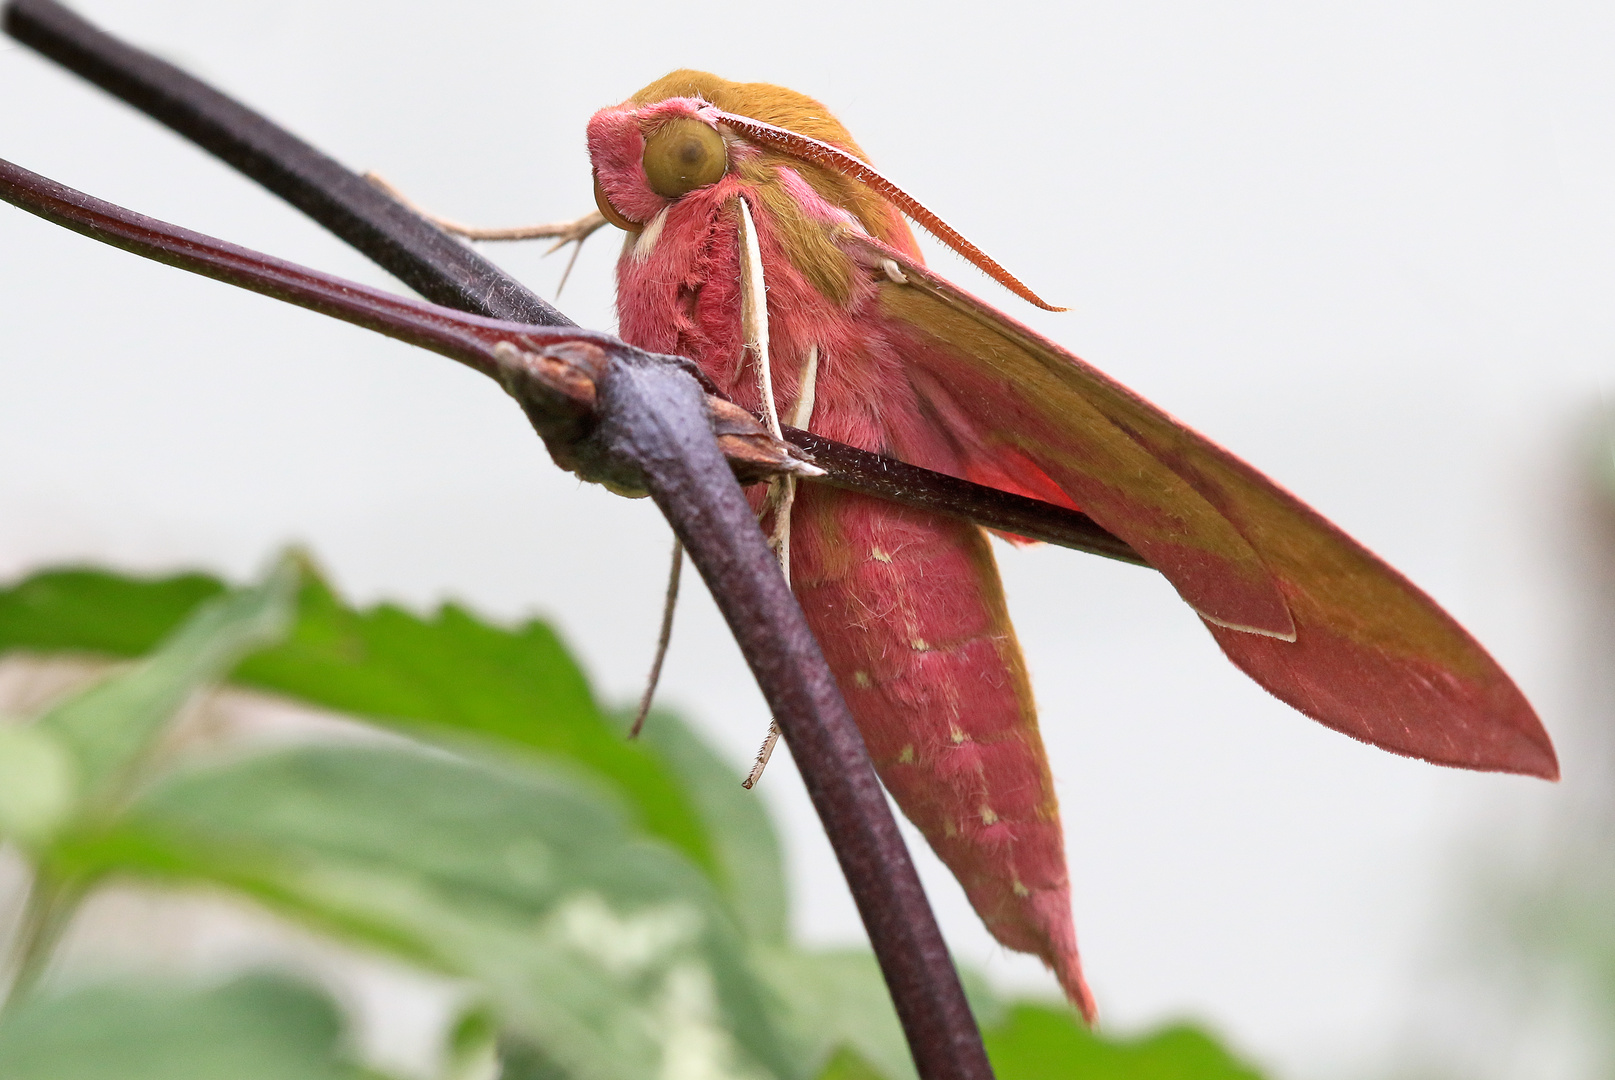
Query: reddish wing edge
1373, 657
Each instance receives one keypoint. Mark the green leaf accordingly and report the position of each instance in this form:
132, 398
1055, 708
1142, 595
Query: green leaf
610, 952
432, 677
38, 784
1039, 1042
521, 1060
83, 610
843, 1022
258, 1028
745, 848
838, 1002
108, 727
848, 1064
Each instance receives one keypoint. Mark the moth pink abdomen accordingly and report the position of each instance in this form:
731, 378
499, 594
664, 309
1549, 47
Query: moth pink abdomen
912, 618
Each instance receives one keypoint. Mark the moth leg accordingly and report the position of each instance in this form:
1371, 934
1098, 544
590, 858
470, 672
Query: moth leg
562, 232
801, 417
754, 328
764, 752
807, 384
781, 490
668, 606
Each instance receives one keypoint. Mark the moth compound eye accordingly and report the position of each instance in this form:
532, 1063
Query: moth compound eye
683, 155
610, 212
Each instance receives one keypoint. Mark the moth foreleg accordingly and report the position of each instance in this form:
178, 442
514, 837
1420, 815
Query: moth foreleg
562, 232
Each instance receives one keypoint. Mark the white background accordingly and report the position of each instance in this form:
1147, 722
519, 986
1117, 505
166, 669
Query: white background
1369, 246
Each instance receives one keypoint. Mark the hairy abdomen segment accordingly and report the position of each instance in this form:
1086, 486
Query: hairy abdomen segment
911, 616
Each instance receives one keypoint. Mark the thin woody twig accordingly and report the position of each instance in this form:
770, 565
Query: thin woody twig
851, 469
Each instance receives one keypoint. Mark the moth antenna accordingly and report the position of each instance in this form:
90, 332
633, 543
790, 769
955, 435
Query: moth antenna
669, 605
815, 152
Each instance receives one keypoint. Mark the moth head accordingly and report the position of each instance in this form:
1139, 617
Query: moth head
647, 157
665, 142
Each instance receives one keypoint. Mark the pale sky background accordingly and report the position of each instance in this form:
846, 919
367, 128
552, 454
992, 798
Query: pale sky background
1368, 246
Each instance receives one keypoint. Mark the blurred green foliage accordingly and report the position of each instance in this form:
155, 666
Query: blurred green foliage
258, 1028
618, 908
1035, 1042
449, 673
